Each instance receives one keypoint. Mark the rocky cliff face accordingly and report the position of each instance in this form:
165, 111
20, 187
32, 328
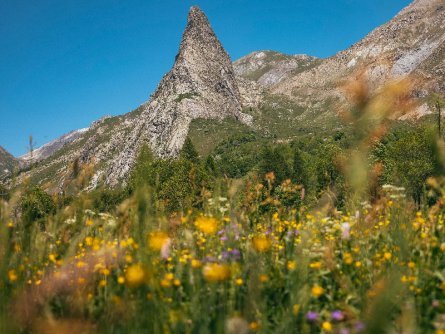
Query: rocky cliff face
268, 68
7, 163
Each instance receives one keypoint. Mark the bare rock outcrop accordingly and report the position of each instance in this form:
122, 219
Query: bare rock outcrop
201, 84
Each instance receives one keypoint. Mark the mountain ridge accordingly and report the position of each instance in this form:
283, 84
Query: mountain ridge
275, 94
399, 47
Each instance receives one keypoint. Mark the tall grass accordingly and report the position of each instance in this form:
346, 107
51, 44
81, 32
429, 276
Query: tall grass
251, 259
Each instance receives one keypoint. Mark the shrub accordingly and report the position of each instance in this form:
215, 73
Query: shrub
36, 204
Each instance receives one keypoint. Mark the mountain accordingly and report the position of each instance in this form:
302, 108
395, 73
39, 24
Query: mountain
270, 67
201, 85
52, 147
412, 43
7, 163
268, 94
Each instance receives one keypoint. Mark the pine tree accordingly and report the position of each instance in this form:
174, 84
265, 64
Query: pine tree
210, 166
189, 151
300, 173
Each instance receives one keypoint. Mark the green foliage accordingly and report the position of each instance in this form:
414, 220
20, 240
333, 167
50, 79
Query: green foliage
143, 172
207, 134
327, 169
303, 171
189, 151
210, 166
175, 183
186, 96
237, 155
409, 158
36, 204
4, 193
273, 159
106, 200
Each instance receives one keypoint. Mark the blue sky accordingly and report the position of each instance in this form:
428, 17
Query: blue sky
64, 64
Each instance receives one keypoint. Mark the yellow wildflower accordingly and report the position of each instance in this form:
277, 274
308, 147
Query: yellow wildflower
215, 272
135, 275
80, 264
89, 241
347, 258
253, 326
196, 263
317, 291
157, 240
326, 326
207, 225
12, 275
291, 265
165, 283
261, 243
264, 278
315, 265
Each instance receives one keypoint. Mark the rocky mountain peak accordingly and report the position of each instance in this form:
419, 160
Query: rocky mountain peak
197, 19
202, 71
201, 84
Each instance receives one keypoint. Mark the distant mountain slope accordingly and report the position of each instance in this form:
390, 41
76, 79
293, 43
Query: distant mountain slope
7, 163
52, 147
412, 43
269, 67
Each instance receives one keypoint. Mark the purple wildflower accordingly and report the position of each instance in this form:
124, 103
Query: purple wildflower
337, 315
359, 326
311, 316
225, 255
236, 254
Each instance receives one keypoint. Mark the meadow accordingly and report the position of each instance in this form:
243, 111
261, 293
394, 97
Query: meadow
308, 243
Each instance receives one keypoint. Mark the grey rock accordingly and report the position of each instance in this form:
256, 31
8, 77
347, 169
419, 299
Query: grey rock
7, 163
201, 84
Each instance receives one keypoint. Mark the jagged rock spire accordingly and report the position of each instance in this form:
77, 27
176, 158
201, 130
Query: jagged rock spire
201, 84
202, 72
